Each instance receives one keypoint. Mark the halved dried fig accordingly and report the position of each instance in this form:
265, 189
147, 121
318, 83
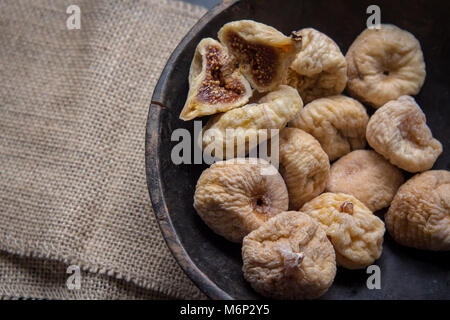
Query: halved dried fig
303, 164
384, 64
319, 69
263, 53
338, 122
215, 84
272, 111
419, 215
398, 131
355, 232
234, 197
289, 257
366, 175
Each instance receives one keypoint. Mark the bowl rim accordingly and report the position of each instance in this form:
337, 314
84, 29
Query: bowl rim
152, 165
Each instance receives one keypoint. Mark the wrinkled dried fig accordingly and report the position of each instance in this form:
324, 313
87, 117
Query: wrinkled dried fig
303, 164
263, 53
398, 131
215, 84
385, 64
319, 69
366, 175
419, 215
355, 232
338, 122
289, 257
272, 111
234, 197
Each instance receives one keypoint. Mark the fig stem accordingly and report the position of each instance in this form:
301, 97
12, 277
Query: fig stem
346, 207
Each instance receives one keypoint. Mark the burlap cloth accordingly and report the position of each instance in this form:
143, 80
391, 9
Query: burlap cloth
73, 107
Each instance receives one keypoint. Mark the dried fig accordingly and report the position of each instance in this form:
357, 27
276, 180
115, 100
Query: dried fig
263, 53
234, 197
355, 232
338, 122
398, 131
385, 64
273, 111
319, 69
289, 257
419, 215
215, 84
367, 176
303, 164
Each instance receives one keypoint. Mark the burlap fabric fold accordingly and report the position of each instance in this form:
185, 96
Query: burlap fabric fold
73, 106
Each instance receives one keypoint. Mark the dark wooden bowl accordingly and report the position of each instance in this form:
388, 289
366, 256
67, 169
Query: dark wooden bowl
213, 263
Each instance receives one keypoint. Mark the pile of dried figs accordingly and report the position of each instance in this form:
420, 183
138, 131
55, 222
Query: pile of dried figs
298, 223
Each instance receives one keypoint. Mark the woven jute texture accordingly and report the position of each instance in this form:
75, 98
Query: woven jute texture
73, 107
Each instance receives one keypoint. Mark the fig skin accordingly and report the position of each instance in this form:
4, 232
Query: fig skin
319, 69
419, 216
367, 176
355, 232
384, 64
215, 85
289, 257
253, 121
263, 53
304, 165
235, 197
338, 122
398, 131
